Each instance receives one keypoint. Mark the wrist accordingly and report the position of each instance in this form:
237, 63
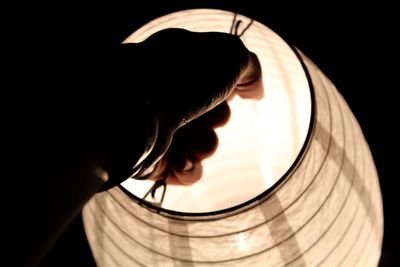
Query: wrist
126, 148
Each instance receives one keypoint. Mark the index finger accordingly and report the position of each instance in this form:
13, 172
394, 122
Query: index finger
250, 84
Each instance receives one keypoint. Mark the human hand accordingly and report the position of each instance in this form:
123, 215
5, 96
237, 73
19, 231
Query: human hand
187, 77
197, 140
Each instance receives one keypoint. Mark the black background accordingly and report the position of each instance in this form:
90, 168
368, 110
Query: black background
356, 47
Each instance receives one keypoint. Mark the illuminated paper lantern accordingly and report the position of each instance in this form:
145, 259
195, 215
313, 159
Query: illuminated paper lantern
321, 207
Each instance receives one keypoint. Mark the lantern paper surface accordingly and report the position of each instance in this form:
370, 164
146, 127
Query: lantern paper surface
325, 211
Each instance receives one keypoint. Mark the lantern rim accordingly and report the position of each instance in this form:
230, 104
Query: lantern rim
244, 206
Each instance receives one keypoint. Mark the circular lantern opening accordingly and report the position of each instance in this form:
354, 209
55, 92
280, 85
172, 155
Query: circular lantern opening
262, 140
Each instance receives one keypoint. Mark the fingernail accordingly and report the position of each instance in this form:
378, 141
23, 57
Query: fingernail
190, 174
189, 166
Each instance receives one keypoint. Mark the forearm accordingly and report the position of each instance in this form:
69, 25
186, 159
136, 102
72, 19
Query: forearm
53, 203
63, 162
55, 187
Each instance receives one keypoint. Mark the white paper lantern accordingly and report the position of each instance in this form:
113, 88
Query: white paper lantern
322, 207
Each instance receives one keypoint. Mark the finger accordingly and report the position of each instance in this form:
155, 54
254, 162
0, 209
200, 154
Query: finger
192, 144
200, 143
180, 169
198, 71
250, 85
215, 118
190, 174
196, 139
